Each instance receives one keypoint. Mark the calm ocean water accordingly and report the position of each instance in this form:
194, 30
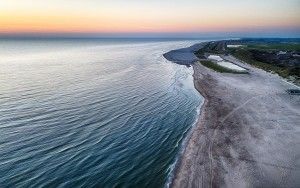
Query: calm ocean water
92, 113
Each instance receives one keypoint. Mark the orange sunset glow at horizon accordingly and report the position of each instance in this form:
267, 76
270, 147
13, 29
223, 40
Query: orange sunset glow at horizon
119, 16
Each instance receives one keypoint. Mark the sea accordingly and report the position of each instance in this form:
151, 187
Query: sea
93, 112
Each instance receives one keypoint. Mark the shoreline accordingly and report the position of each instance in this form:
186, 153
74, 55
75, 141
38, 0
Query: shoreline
199, 119
185, 140
184, 56
239, 139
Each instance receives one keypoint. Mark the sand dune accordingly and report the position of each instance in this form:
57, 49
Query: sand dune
247, 135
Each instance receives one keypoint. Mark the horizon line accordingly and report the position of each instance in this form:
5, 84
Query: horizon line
172, 35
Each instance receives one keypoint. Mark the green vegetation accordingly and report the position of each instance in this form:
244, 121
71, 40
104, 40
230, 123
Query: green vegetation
219, 68
246, 56
272, 47
212, 47
260, 54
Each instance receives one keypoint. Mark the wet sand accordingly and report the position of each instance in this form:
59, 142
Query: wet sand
248, 133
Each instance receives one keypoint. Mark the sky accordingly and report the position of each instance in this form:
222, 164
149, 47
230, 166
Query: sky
147, 17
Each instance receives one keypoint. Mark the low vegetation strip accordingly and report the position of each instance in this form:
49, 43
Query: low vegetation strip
281, 56
283, 71
218, 68
274, 47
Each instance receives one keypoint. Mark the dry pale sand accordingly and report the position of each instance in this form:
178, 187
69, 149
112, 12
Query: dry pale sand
248, 134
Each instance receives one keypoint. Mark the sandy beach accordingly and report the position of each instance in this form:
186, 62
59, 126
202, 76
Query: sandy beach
247, 135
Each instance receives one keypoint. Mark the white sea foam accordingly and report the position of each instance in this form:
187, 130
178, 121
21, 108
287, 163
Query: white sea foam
183, 146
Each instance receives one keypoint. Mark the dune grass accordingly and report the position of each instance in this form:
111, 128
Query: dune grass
218, 68
246, 56
279, 46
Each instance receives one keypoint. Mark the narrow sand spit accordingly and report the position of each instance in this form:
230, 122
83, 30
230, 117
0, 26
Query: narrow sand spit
184, 56
248, 134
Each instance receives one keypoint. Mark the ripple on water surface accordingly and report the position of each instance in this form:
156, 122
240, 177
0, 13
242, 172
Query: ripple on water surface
91, 113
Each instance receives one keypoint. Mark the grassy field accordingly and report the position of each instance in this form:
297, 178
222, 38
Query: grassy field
271, 47
219, 68
245, 55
